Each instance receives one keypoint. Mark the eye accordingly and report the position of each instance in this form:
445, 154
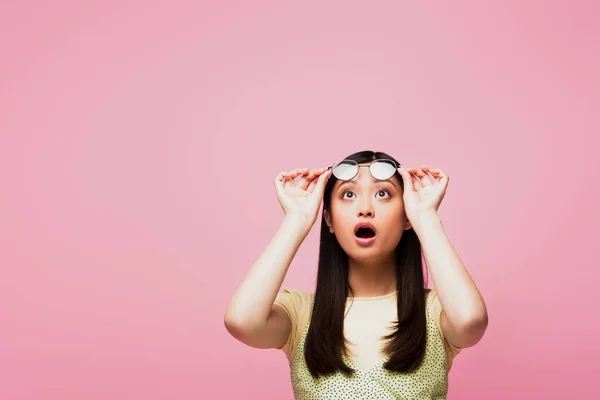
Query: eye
345, 193
383, 191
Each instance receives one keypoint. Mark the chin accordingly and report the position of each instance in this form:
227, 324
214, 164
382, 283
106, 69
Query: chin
358, 253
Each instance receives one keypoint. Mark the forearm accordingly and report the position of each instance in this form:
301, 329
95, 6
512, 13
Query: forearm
458, 294
252, 301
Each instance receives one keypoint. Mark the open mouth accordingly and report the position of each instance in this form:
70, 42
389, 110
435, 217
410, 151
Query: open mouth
365, 233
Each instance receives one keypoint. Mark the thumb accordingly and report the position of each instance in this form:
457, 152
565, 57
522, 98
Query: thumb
408, 184
321, 183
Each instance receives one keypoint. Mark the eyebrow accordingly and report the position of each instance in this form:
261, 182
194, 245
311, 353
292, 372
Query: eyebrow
372, 180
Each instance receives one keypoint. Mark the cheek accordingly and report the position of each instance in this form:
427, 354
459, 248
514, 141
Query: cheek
391, 208
392, 217
343, 221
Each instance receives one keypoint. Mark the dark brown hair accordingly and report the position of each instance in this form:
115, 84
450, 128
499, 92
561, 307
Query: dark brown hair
325, 343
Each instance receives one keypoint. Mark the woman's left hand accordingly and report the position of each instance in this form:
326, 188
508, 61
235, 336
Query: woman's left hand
422, 194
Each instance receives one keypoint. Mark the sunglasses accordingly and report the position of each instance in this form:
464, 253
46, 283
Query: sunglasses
380, 169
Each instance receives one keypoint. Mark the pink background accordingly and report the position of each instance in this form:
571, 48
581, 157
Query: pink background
139, 140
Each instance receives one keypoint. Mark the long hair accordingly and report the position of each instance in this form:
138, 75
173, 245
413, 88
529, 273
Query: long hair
325, 343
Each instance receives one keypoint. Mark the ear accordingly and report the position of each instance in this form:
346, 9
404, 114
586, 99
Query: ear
407, 225
327, 216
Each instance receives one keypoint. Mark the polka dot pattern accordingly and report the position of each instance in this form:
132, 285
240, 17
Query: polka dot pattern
429, 381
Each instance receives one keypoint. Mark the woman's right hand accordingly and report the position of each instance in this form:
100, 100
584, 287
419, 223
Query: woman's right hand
302, 198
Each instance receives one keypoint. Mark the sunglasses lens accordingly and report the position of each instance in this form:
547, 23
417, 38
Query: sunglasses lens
345, 170
383, 169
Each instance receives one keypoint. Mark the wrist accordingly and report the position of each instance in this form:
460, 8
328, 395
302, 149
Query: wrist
426, 220
297, 223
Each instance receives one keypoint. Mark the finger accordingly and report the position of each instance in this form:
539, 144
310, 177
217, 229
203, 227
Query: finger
416, 182
316, 174
319, 171
426, 168
312, 185
305, 179
278, 181
321, 183
424, 177
429, 169
288, 180
294, 173
413, 171
444, 178
406, 178
434, 172
438, 174
435, 175
290, 176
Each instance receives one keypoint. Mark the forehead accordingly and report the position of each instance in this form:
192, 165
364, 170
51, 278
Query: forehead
364, 178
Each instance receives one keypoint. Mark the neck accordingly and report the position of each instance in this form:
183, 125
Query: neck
369, 278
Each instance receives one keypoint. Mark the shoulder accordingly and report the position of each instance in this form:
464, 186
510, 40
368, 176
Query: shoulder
295, 302
297, 296
430, 299
298, 305
436, 309
295, 293
434, 306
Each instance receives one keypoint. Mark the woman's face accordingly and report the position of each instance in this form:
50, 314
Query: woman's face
366, 200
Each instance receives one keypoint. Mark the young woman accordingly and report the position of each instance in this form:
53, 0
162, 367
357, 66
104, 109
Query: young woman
371, 329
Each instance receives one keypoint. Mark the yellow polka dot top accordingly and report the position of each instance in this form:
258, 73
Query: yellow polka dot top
429, 381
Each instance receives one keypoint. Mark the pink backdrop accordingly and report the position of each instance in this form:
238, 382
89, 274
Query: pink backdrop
139, 140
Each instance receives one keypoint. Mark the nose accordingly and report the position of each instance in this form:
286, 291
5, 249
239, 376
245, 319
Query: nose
365, 207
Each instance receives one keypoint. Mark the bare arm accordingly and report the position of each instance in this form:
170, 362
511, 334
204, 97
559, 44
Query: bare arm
464, 317
251, 315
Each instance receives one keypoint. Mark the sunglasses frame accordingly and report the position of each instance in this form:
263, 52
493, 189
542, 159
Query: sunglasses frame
384, 160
